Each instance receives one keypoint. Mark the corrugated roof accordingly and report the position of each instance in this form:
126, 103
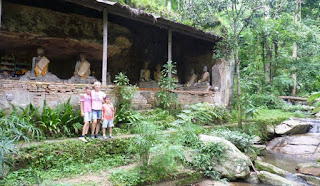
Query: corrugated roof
148, 18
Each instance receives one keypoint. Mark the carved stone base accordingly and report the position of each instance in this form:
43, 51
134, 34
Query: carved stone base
49, 77
203, 86
149, 84
88, 80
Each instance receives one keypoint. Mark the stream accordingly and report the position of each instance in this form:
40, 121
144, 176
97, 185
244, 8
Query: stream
287, 152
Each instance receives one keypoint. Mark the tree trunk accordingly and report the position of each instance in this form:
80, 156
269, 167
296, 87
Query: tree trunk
237, 62
297, 19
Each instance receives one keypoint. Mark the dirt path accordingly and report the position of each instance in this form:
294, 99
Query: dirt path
101, 178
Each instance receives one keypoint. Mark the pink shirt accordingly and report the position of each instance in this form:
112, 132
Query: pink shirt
97, 98
108, 111
86, 99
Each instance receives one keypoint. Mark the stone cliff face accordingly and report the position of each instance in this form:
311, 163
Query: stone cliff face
64, 33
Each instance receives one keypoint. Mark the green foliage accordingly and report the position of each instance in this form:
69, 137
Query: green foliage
7, 148
125, 114
204, 114
208, 156
60, 121
148, 136
240, 139
127, 177
48, 156
32, 176
166, 98
267, 101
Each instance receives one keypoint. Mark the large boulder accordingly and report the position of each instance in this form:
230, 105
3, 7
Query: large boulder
235, 164
301, 146
273, 179
292, 126
312, 180
311, 168
263, 166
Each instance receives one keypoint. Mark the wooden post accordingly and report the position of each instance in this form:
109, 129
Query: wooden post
105, 47
0, 12
169, 48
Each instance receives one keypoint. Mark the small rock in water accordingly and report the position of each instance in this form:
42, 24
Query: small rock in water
273, 179
253, 178
312, 168
270, 168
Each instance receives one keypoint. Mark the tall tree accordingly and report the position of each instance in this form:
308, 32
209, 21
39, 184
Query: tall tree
239, 14
297, 20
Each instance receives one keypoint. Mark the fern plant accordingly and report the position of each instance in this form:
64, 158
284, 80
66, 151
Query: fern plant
166, 98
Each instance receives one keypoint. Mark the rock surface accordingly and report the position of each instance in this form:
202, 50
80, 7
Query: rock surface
312, 180
262, 166
292, 126
253, 178
273, 179
235, 165
312, 168
304, 146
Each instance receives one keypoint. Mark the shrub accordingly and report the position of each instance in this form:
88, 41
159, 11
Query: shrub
240, 139
47, 156
125, 114
208, 155
267, 101
204, 114
166, 98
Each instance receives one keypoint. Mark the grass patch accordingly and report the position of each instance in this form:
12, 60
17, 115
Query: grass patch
32, 176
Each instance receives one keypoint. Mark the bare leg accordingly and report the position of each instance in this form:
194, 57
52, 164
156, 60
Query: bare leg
85, 128
98, 126
110, 131
93, 127
104, 131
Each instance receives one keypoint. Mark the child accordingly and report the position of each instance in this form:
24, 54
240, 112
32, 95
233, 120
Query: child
97, 98
107, 116
86, 109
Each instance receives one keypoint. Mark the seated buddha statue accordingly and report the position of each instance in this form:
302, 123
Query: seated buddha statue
145, 73
40, 64
158, 74
82, 68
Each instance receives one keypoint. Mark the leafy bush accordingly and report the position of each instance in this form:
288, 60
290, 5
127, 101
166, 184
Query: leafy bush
209, 154
31, 176
125, 114
47, 156
148, 136
127, 177
167, 99
240, 139
267, 101
62, 120
204, 114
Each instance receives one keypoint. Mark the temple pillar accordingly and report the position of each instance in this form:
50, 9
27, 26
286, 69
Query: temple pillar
105, 47
169, 47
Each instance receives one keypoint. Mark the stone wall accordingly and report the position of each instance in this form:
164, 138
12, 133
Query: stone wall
15, 93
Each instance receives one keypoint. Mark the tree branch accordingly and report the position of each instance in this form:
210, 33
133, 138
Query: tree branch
245, 20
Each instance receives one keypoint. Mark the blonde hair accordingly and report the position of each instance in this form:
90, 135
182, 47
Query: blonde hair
97, 83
